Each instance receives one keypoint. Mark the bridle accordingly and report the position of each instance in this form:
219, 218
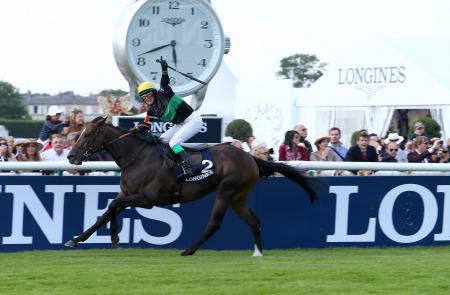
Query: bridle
90, 151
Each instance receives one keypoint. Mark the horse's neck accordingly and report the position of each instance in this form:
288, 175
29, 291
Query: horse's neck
126, 150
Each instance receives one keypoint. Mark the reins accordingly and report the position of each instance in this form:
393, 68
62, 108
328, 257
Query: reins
115, 140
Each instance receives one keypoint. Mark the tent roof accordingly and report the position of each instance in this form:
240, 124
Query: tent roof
372, 72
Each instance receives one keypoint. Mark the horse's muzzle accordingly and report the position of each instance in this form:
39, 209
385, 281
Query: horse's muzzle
73, 160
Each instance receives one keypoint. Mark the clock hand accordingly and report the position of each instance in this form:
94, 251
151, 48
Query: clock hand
174, 55
172, 43
186, 75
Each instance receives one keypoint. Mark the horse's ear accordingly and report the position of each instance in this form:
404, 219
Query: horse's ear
100, 120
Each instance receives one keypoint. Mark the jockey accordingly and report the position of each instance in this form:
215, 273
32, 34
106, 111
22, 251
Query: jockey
165, 105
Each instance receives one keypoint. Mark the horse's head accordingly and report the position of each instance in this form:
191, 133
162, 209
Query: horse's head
90, 141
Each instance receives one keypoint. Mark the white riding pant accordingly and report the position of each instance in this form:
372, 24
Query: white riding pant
182, 132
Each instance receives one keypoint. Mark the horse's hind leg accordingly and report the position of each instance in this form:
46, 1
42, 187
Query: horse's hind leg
241, 209
218, 212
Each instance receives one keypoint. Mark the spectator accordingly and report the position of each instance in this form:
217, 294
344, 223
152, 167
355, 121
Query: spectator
31, 151
335, 143
410, 146
227, 139
442, 155
290, 150
324, 152
419, 130
439, 152
5, 154
52, 125
238, 144
303, 131
18, 150
10, 141
248, 143
260, 150
233, 142
76, 121
423, 151
71, 139
391, 151
57, 152
362, 151
374, 141
401, 155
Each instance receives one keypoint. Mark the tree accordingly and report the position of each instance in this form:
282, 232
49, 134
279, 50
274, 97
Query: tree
239, 129
11, 106
304, 69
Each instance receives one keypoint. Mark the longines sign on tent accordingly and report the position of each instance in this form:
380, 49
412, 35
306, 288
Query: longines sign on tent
372, 75
44, 212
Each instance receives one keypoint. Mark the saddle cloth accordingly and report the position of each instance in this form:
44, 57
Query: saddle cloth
200, 158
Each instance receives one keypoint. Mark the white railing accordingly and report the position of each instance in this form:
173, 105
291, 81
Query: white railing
304, 165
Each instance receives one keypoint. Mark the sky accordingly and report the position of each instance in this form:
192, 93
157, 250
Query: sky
51, 46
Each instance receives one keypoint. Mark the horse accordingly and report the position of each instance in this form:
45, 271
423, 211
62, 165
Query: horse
147, 180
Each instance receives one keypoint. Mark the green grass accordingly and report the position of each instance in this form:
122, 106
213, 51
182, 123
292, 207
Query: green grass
415, 270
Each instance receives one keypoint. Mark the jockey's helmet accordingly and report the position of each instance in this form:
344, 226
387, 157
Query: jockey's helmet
145, 88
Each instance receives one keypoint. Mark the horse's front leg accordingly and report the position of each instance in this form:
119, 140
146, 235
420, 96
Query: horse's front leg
121, 203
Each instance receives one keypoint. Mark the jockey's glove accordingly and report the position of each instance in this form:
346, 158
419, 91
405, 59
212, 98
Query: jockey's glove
139, 128
134, 130
163, 65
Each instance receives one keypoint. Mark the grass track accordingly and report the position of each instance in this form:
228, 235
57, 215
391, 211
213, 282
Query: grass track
414, 270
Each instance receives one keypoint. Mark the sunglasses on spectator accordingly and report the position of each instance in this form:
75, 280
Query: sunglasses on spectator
3, 143
393, 150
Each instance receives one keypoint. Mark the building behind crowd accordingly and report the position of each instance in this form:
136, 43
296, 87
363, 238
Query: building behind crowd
38, 104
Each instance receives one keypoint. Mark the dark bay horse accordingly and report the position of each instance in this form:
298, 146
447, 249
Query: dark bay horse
147, 180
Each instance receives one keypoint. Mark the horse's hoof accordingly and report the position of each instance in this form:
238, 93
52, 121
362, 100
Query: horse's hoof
187, 252
115, 241
71, 243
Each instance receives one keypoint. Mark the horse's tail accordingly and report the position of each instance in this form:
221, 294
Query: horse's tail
269, 168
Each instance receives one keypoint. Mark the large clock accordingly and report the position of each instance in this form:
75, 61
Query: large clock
186, 33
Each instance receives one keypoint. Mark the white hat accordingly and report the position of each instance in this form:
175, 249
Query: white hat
228, 139
258, 143
54, 110
394, 137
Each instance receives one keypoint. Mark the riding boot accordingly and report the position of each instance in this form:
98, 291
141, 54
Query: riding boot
184, 163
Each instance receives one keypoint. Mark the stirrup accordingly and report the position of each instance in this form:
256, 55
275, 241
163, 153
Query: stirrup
186, 167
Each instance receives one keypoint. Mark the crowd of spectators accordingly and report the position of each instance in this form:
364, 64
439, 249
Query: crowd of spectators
54, 142
419, 147
57, 137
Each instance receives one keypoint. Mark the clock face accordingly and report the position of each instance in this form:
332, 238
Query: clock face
186, 33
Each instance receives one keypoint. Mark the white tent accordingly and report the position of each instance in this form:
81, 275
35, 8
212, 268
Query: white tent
363, 86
